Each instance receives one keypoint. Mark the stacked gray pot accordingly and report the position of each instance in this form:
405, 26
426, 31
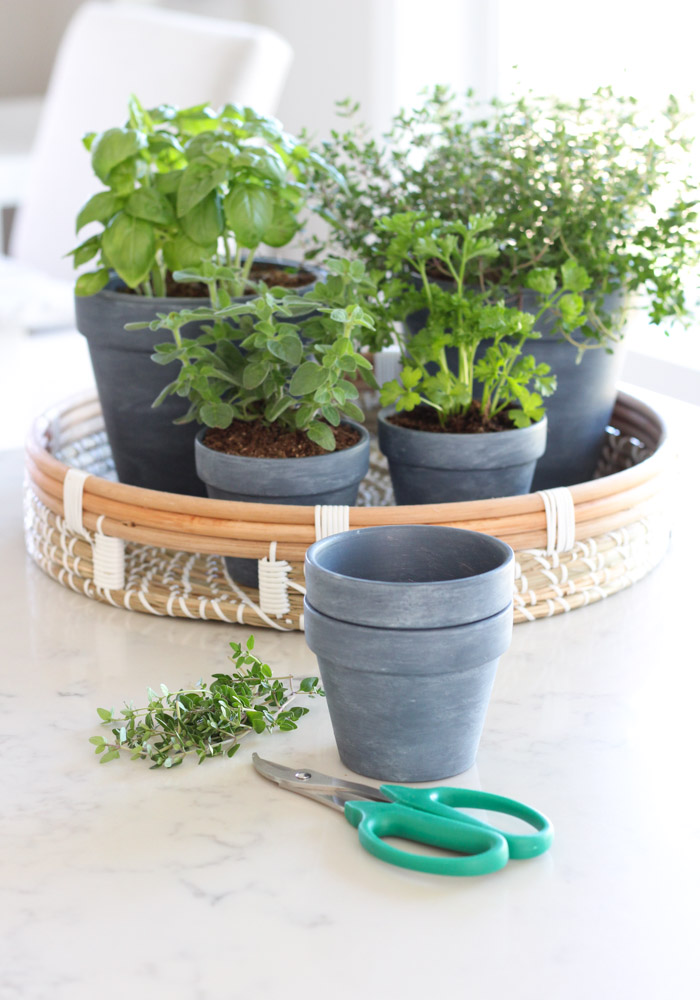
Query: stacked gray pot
408, 624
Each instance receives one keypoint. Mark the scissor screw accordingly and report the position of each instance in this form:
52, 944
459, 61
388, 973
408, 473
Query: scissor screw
303, 775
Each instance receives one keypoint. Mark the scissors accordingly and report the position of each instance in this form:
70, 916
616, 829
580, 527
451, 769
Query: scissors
423, 815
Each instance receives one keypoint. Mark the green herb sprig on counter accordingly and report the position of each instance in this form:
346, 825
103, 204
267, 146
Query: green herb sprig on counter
207, 720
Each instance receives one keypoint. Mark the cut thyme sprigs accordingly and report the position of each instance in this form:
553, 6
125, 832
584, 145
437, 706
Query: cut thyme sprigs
208, 720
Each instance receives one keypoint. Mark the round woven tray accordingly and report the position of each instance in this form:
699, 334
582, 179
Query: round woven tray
173, 561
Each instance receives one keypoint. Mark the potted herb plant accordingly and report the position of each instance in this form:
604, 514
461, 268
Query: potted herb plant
475, 430
594, 184
185, 189
276, 395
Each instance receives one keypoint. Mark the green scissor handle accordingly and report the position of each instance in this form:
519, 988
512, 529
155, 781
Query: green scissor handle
483, 849
445, 801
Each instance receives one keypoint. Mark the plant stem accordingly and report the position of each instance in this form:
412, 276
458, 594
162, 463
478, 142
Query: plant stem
246, 270
158, 280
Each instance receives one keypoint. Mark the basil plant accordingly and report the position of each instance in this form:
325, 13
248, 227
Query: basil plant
193, 185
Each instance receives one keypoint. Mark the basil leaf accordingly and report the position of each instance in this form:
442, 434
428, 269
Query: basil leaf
100, 208
198, 179
204, 223
282, 228
129, 245
249, 212
92, 282
112, 147
149, 204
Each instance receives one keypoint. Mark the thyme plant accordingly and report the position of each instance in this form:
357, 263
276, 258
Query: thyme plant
207, 720
595, 181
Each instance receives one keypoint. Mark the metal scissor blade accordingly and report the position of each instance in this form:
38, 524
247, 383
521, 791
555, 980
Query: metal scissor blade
314, 783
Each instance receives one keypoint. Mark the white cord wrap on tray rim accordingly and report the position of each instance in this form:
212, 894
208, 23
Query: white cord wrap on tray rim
560, 514
108, 559
73, 501
331, 520
272, 584
107, 552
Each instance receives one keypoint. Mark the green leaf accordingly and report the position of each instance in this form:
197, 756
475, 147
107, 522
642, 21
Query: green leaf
353, 411
197, 180
129, 245
110, 755
282, 228
322, 435
218, 414
204, 223
289, 349
100, 208
112, 147
571, 306
542, 280
249, 212
123, 178
347, 363
99, 741
254, 375
276, 407
331, 414
575, 277
85, 251
270, 165
169, 182
180, 252
519, 418
307, 378
250, 642
149, 204
92, 282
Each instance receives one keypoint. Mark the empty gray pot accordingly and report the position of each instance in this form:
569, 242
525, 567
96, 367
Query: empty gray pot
333, 478
580, 409
147, 448
408, 689
431, 467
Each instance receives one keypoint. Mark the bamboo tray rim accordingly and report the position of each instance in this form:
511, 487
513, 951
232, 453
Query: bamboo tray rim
38, 450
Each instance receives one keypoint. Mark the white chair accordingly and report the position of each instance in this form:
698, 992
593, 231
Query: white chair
108, 52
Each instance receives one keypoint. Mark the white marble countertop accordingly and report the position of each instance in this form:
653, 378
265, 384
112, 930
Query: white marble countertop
208, 882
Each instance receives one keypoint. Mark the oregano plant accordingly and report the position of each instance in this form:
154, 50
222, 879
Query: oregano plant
277, 359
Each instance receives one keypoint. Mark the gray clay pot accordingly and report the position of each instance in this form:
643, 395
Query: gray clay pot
429, 467
409, 576
333, 478
408, 693
580, 409
147, 448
